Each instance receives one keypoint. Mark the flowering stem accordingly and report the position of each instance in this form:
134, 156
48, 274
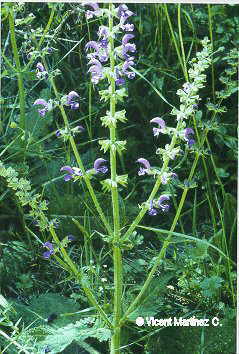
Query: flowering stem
164, 247
154, 190
117, 257
19, 70
80, 164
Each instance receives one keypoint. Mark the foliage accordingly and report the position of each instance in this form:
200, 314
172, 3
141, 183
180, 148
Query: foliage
160, 209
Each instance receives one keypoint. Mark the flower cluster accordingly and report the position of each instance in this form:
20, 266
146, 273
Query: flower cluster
50, 251
65, 132
161, 204
161, 126
96, 10
41, 72
188, 132
71, 100
46, 106
68, 100
100, 49
72, 172
188, 104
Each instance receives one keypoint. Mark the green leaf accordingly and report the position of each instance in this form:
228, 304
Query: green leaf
211, 285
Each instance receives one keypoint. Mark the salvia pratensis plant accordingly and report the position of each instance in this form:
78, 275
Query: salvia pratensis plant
111, 57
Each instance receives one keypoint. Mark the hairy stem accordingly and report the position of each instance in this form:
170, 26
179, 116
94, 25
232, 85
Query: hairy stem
117, 257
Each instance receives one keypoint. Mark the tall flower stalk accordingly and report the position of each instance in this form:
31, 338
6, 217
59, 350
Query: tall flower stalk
114, 64
117, 256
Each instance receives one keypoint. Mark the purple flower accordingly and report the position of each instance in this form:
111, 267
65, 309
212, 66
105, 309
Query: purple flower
128, 47
92, 44
187, 87
129, 62
71, 172
42, 102
146, 164
123, 12
161, 125
95, 7
162, 202
50, 248
152, 211
103, 32
58, 133
126, 38
128, 27
71, 100
188, 132
95, 70
98, 166
41, 72
100, 50
119, 81
71, 238
40, 67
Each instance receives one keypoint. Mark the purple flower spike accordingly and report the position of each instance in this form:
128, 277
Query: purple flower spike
161, 202
161, 125
42, 102
152, 211
98, 166
50, 248
146, 164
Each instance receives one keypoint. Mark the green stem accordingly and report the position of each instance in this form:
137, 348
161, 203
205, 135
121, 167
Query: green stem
174, 40
43, 36
117, 256
19, 70
181, 42
211, 39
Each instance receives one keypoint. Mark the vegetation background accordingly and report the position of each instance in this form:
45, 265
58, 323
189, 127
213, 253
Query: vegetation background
193, 279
